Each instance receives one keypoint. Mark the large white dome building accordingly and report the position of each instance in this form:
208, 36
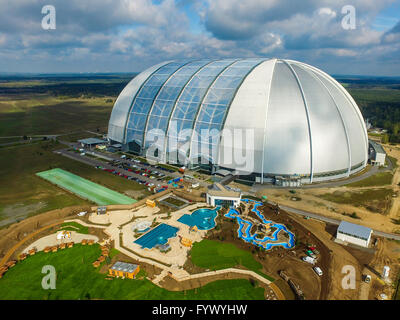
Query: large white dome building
304, 123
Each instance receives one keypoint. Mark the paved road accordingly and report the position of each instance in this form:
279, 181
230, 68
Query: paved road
335, 221
331, 184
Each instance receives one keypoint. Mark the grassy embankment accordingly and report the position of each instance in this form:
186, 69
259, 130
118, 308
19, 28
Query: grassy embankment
216, 255
378, 179
375, 200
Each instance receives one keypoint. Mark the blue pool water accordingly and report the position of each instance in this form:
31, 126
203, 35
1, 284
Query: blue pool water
246, 236
203, 219
159, 235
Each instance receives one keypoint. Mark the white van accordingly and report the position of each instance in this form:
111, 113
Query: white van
309, 260
318, 271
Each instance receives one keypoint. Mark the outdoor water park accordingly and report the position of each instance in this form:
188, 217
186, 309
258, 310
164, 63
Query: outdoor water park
177, 238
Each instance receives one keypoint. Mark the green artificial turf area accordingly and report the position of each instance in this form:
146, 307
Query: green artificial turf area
215, 255
84, 188
78, 279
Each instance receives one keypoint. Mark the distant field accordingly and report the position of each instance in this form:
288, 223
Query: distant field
77, 279
44, 114
84, 188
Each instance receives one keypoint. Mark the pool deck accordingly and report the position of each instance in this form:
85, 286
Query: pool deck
176, 256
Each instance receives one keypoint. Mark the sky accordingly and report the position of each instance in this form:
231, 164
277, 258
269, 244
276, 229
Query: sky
132, 35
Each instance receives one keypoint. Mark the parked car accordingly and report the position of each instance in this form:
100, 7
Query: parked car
309, 260
311, 254
367, 278
318, 271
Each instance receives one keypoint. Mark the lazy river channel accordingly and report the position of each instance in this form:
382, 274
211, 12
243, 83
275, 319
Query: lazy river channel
267, 242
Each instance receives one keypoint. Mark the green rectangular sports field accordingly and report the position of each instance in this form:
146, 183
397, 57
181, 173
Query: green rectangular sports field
84, 188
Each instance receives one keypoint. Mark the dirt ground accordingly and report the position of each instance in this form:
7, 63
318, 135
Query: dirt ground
311, 201
12, 234
387, 254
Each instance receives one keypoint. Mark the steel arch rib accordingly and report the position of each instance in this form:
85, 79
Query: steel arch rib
341, 118
134, 99
155, 98
201, 103
266, 121
307, 115
176, 102
352, 102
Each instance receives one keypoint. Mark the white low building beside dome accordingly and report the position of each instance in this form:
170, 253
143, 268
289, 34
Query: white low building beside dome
303, 123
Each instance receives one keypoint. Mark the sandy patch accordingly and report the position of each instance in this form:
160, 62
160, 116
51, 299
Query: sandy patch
51, 240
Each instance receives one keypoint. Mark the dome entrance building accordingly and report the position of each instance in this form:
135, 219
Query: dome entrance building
263, 119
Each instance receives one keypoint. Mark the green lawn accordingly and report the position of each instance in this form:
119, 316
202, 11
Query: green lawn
84, 188
77, 279
378, 179
74, 226
215, 255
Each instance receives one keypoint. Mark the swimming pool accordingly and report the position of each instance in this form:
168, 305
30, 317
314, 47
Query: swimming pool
268, 241
158, 235
203, 219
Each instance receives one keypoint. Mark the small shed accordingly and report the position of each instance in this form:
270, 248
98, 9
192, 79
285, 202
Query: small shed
102, 210
163, 247
186, 242
11, 264
150, 203
123, 269
354, 233
22, 256
91, 142
47, 249
377, 154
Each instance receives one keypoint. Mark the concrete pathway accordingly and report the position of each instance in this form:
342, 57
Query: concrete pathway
51, 240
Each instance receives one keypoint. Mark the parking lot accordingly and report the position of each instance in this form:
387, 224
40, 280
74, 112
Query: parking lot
152, 176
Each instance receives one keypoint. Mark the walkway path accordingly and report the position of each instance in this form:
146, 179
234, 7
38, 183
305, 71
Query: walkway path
20, 243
